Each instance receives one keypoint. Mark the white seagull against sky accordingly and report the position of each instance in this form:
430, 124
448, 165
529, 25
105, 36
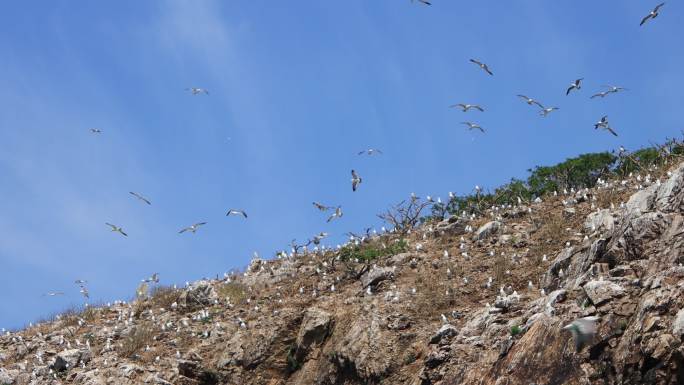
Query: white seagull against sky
652, 15
117, 229
236, 212
547, 111
197, 90
482, 65
192, 228
530, 101
576, 85
371, 151
466, 107
356, 180
473, 126
321, 206
140, 197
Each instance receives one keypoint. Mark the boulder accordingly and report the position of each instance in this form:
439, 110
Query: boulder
678, 324
445, 332
487, 230
314, 329
601, 220
68, 359
602, 291
375, 275
198, 295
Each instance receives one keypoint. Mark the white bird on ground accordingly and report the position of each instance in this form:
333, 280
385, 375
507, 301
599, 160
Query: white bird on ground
356, 180
652, 15
473, 126
193, 228
583, 330
140, 197
483, 66
116, 229
576, 85
467, 107
236, 212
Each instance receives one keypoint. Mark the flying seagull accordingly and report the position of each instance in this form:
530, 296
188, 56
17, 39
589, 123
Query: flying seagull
192, 228
530, 101
95, 131
574, 86
236, 212
652, 15
154, 278
321, 207
356, 180
53, 293
547, 111
80, 281
603, 123
116, 229
615, 89
482, 65
197, 91
318, 238
473, 126
601, 94
423, 2
140, 197
370, 151
583, 330
467, 107
84, 291
337, 214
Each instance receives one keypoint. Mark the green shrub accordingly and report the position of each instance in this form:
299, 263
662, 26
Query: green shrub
515, 330
366, 252
292, 364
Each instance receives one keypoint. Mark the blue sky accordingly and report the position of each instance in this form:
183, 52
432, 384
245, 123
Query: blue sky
299, 87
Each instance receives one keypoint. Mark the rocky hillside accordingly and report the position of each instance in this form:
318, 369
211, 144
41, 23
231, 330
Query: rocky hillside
469, 300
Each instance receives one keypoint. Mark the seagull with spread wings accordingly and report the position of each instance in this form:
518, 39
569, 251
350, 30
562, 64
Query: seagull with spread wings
483, 66
370, 151
576, 85
337, 214
466, 107
197, 90
423, 2
356, 180
193, 228
237, 212
53, 293
652, 15
117, 229
473, 126
321, 207
95, 131
601, 94
547, 110
531, 101
603, 123
140, 197
615, 89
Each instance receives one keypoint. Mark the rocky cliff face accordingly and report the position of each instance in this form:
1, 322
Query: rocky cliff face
466, 301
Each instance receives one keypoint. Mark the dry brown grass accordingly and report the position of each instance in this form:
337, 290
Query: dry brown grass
235, 291
136, 341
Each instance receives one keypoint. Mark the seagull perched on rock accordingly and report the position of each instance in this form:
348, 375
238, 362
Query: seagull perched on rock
337, 214
116, 229
236, 212
371, 151
547, 110
356, 180
652, 15
192, 228
583, 330
321, 207
530, 101
473, 126
467, 107
197, 90
482, 65
140, 197
576, 85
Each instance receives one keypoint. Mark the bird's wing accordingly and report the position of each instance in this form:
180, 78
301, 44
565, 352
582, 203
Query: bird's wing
658, 7
478, 108
354, 175
122, 232
539, 104
330, 218
569, 89
110, 225
645, 19
486, 68
200, 223
611, 131
524, 97
362, 152
475, 61
354, 184
378, 151
184, 230
481, 129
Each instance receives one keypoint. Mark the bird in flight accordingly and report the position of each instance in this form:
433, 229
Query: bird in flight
423, 2
547, 110
603, 123
321, 207
154, 278
53, 293
482, 65
84, 292
652, 15
601, 94
236, 212
337, 214
576, 85
467, 107
117, 229
615, 89
197, 91
80, 281
473, 126
370, 151
140, 197
192, 228
356, 180
583, 330
318, 238
95, 131
530, 101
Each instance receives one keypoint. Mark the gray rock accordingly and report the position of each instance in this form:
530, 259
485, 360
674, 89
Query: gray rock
487, 230
678, 324
69, 359
601, 220
641, 202
5, 378
445, 332
198, 295
602, 291
376, 275
668, 197
556, 296
314, 329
